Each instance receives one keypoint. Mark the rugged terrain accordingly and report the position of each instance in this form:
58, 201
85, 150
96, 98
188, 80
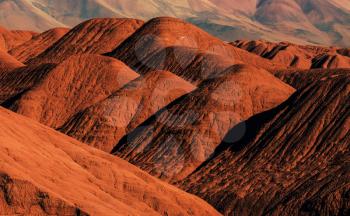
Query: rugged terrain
66, 89
96, 36
159, 45
38, 44
8, 62
298, 56
293, 160
300, 21
105, 123
252, 127
172, 143
43, 172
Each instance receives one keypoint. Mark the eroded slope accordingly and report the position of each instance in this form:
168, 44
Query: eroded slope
45, 172
172, 143
292, 160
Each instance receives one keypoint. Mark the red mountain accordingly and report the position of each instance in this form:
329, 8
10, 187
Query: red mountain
181, 136
293, 160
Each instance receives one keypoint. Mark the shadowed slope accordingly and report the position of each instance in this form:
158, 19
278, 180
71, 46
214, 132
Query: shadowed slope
331, 60
160, 33
70, 87
293, 160
193, 65
106, 122
37, 44
8, 63
172, 143
301, 78
17, 81
45, 172
95, 36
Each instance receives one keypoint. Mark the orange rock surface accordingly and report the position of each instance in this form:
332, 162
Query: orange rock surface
95, 36
301, 78
293, 160
10, 39
175, 141
8, 63
160, 33
38, 44
43, 172
297, 56
70, 87
105, 123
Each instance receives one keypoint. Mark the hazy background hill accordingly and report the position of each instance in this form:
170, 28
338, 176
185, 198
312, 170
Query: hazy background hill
301, 21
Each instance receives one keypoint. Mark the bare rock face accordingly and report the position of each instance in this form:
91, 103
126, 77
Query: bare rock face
10, 39
38, 44
301, 78
8, 63
160, 33
105, 123
293, 160
176, 140
70, 87
43, 172
95, 36
297, 56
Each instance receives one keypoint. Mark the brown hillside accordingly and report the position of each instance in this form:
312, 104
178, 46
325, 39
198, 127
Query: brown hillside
300, 78
37, 44
160, 33
70, 87
105, 123
95, 36
7, 62
193, 65
17, 81
297, 56
172, 143
331, 60
293, 160
11, 39
43, 172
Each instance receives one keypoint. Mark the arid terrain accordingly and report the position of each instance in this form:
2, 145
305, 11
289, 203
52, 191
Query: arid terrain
124, 116
300, 21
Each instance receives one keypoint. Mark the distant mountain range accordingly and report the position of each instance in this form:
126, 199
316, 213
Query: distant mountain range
322, 22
